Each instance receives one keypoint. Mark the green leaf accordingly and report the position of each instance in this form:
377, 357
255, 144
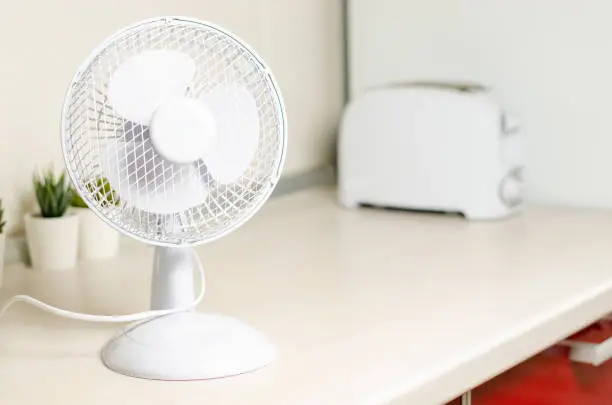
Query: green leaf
2, 221
77, 200
53, 193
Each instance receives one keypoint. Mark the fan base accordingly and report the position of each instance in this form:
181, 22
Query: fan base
188, 346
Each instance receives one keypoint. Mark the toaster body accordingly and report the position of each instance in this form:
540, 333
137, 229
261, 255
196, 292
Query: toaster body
433, 149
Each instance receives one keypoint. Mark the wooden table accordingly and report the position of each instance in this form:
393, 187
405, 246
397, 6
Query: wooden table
367, 307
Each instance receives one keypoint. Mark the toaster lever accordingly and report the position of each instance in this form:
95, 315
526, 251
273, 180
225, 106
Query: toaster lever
509, 124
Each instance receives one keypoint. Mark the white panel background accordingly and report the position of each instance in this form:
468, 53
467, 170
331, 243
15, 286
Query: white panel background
550, 60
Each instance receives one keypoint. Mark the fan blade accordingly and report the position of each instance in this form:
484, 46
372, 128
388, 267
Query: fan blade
145, 180
237, 124
143, 81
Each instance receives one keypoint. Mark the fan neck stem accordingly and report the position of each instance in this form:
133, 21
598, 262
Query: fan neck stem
172, 284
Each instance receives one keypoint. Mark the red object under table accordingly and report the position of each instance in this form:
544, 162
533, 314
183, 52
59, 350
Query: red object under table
549, 378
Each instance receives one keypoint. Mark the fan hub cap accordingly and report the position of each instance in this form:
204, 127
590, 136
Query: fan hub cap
183, 130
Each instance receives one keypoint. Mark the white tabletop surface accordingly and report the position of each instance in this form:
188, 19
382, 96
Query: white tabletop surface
366, 307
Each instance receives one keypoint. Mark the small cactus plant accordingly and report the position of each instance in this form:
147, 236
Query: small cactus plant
53, 193
2, 221
77, 200
103, 192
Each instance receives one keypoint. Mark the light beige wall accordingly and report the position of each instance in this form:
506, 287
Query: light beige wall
43, 42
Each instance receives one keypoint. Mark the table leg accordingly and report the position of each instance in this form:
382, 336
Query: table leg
466, 399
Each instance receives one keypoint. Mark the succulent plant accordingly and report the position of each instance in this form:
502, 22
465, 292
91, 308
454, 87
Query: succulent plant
77, 200
2, 221
103, 192
53, 193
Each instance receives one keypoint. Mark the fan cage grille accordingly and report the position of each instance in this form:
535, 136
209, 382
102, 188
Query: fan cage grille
90, 126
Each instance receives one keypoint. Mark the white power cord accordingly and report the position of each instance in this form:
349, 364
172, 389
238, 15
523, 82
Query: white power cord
139, 316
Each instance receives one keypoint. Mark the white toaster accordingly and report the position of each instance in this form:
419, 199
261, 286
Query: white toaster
432, 148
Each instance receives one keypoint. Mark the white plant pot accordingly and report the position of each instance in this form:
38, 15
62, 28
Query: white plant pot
2, 243
97, 240
52, 242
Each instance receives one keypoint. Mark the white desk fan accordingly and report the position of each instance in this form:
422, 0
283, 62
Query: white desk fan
187, 124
